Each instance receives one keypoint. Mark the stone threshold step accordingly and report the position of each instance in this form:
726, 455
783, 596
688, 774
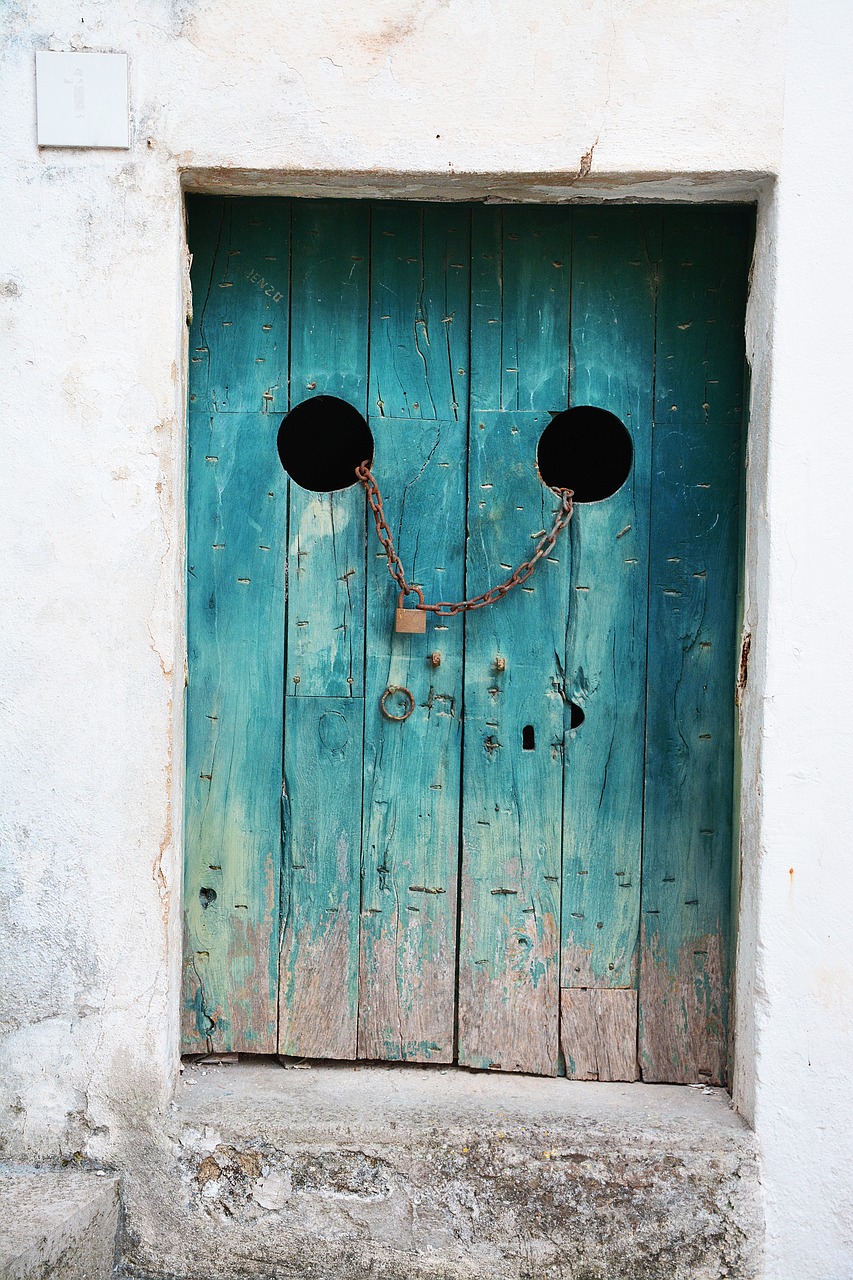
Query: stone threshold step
340, 1171
57, 1223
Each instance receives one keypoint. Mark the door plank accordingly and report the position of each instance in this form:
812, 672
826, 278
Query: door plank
235, 635
689, 753
329, 317
420, 303
520, 270
322, 805
512, 795
598, 1033
693, 583
418, 363
702, 301
411, 812
325, 647
513, 734
535, 294
614, 263
241, 265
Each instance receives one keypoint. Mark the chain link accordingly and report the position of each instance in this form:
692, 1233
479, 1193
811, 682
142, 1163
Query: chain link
447, 608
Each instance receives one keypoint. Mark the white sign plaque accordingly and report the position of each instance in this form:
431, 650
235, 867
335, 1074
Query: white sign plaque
81, 99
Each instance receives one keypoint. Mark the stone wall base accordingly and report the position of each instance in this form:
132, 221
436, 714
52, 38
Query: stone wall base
57, 1224
403, 1173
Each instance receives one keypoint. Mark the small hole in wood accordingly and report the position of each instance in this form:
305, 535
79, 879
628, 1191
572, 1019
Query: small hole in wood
528, 738
576, 716
322, 441
206, 896
587, 450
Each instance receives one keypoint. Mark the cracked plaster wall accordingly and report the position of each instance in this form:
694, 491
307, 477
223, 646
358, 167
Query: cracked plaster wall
589, 98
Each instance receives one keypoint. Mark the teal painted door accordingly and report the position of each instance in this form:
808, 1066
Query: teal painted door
532, 871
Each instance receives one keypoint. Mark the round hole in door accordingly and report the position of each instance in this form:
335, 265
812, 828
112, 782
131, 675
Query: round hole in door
322, 441
585, 449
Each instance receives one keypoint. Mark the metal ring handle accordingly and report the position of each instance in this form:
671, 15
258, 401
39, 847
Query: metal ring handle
397, 688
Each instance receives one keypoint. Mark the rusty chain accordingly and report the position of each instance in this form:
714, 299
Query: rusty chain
447, 608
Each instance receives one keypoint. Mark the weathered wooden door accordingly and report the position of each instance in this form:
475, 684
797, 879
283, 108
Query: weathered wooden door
531, 872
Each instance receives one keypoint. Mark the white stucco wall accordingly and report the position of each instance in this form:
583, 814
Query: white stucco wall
698, 98
797, 916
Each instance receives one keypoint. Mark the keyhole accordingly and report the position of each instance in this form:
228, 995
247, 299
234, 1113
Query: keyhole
528, 738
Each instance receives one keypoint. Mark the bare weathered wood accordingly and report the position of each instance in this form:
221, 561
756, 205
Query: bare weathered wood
598, 1033
318, 1000
683, 1009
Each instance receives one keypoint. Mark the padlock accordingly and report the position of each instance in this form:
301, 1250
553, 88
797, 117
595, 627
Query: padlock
411, 622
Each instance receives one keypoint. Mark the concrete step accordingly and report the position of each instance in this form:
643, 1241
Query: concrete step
59, 1224
338, 1172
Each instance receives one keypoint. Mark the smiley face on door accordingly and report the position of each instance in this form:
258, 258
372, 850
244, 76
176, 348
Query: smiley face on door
463, 503
461, 880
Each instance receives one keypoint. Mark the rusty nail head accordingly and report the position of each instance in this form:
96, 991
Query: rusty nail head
500, 663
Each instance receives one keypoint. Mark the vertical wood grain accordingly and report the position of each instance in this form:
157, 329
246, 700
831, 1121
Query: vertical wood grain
239, 340
701, 306
513, 738
362, 845
419, 310
235, 614
411, 815
689, 771
512, 796
325, 646
535, 282
614, 263
697, 458
329, 314
235, 635
418, 363
598, 1033
322, 807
